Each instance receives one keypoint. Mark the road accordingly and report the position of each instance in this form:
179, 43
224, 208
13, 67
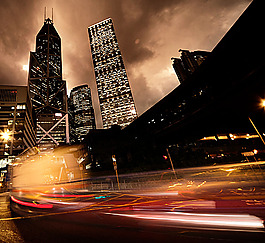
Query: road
215, 204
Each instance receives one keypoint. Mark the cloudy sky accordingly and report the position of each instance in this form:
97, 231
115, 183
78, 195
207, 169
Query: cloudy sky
149, 33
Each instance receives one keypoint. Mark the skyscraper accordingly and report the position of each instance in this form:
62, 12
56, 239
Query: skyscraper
81, 113
115, 96
17, 130
188, 63
47, 89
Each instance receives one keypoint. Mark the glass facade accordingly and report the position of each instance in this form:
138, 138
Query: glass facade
47, 89
17, 131
115, 97
81, 113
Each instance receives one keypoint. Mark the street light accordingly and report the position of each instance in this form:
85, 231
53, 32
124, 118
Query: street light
25, 67
262, 104
5, 136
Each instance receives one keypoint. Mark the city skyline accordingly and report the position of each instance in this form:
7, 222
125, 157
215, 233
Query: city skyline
149, 35
190, 168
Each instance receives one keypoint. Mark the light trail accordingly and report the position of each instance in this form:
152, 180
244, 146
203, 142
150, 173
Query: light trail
237, 221
28, 204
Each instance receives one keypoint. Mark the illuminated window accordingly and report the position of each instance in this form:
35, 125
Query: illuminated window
113, 87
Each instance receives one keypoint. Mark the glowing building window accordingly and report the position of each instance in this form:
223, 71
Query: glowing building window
113, 86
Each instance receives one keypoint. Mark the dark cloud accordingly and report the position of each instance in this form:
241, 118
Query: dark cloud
149, 33
15, 29
145, 95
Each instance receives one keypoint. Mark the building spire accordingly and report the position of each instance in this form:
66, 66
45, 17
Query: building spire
47, 18
45, 13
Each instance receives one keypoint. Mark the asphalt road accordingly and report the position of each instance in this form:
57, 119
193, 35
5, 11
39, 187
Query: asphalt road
217, 204
8, 229
104, 221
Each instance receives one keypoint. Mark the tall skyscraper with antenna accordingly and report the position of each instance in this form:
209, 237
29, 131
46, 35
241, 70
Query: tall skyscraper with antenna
115, 96
47, 89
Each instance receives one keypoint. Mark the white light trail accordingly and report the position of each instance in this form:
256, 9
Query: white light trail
236, 221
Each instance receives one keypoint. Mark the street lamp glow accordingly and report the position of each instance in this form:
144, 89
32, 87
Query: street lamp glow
263, 103
25, 67
5, 136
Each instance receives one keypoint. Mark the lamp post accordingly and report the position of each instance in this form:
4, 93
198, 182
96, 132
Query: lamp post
262, 104
256, 130
172, 166
116, 169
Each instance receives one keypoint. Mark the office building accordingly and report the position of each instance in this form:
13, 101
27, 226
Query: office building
205, 120
81, 113
17, 130
115, 96
188, 63
47, 89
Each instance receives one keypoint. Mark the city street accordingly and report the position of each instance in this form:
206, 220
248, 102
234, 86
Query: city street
132, 121
207, 204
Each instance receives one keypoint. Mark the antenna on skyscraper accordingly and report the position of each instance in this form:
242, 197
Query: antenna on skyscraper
52, 15
45, 13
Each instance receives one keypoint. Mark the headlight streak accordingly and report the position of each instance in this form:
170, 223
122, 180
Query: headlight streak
90, 207
193, 204
195, 201
197, 221
236, 222
66, 195
201, 184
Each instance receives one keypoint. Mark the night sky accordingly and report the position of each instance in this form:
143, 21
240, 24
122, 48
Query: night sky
149, 33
